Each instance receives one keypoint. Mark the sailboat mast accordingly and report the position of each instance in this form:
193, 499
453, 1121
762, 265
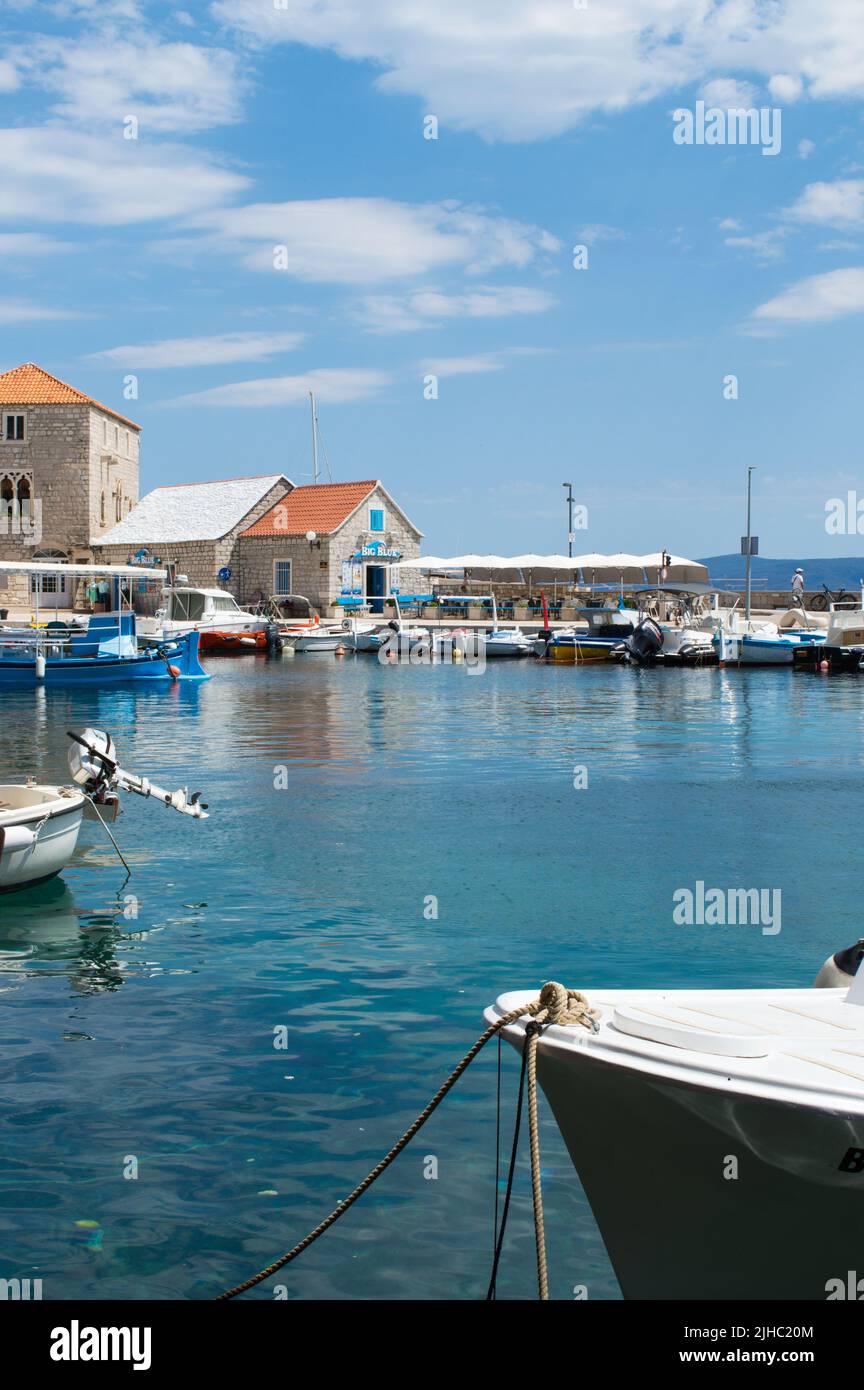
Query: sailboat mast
314, 438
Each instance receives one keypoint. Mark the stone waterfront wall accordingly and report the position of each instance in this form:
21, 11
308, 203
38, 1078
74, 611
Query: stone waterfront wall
317, 574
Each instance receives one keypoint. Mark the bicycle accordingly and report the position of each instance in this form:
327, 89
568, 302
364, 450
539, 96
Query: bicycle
832, 598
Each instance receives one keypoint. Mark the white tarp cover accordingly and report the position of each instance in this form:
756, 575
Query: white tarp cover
79, 571
595, 567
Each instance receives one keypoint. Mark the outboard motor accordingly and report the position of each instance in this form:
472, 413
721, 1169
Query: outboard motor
839, 970
274, 639
93, 764
645, 642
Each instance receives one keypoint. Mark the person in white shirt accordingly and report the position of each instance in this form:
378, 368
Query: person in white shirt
798, 587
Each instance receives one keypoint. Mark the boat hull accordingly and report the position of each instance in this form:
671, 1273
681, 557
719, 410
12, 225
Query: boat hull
582, 651
176, 659
679, 1230
32, 851
719, 1156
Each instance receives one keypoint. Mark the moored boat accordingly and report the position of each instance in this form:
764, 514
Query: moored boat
39, 828
718, 1134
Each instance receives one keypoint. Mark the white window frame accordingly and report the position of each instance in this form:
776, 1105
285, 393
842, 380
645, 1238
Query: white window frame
277, 592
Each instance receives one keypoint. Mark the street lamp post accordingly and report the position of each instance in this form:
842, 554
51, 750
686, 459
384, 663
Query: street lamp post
569, 487
748, 556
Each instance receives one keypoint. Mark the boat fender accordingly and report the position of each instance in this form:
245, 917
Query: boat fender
14, 838
841, 968
40, 666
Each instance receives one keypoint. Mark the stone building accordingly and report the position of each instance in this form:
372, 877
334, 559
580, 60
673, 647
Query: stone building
197, 525
68, 472
326, 541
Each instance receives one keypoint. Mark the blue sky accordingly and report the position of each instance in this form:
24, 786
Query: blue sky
301, 126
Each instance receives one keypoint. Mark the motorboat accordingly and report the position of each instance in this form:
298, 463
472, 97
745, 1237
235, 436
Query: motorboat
200, 610
39, 823
39, 828
500, 641
680, 611
755, 643
842, 645
600, 637
718, 1134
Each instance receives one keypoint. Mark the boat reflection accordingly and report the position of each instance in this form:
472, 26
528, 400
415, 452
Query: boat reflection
43, 932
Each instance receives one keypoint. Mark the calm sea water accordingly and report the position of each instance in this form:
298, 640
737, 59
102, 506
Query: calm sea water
152, 1037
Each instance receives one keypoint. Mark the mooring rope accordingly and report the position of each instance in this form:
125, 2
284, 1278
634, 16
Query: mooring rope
554, 1004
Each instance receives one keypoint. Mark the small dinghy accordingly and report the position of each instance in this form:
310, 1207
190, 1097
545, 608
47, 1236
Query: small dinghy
718, 1134
39, 824
39, 828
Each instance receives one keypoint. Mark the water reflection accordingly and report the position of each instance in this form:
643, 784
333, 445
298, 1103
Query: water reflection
43, 932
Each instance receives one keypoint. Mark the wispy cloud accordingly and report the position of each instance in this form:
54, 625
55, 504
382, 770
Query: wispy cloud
108, 74
542, 68
55, 175
477, 363
839, 204
18, 311
333, 385
364, 240
817, 299
426, 308
219, 350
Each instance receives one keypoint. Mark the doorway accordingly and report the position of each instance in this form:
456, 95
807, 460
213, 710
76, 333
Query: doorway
376, 587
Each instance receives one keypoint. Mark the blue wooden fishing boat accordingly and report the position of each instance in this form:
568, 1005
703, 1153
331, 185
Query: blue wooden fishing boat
103, 649
104, 653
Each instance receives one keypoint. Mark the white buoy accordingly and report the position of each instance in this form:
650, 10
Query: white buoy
40, 666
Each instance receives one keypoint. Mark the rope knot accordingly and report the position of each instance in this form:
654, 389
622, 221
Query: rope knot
564, 1006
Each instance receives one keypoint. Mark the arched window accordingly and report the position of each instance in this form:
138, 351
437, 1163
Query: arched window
118, 504
7, 503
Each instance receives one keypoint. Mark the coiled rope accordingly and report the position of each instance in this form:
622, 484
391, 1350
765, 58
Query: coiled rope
554, 1004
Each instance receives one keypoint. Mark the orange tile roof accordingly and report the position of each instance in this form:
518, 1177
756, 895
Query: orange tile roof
31, 385
321, 507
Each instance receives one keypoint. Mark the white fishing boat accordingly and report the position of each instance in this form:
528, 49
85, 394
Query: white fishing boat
39, 828
718, 1134
742, 642
505, 641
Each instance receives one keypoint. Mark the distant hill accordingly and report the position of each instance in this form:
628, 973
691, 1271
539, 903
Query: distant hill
844, 572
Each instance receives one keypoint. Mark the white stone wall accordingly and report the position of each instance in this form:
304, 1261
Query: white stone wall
63, 449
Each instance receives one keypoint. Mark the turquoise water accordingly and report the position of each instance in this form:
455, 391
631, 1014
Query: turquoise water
151, 1037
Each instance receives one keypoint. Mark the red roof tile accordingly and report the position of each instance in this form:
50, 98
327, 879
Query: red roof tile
320, 507
30, 385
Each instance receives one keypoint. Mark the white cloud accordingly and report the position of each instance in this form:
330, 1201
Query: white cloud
730, 224
819, 298
785, 87
219, 350
426, 308
477, 363
30, 245
839, 204
63, 176
805, 148
728, 92
333, 385
104, 77
363, 240
17, 311
523, 71
766, 246
598, 231
9, 79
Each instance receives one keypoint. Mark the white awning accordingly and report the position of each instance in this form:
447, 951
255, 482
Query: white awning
80, 571
595, 568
